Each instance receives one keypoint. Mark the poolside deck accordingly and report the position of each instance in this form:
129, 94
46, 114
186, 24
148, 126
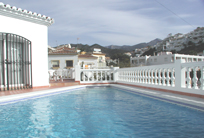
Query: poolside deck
53, 85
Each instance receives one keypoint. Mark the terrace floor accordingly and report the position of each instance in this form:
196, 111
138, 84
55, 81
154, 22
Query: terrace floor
53, 85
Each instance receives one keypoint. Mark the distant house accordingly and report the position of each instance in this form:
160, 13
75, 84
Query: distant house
63, 57
162, 58
101, 57
23, 48
179, 41
128, 54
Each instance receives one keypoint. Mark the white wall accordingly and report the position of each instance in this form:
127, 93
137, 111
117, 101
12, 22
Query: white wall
62, 59
38, 35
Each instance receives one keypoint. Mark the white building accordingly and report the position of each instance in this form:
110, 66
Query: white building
23, 48
179, 41
101, 57
62, 57
162, 58
87, 61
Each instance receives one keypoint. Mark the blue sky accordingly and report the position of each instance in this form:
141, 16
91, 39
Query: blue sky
115, 22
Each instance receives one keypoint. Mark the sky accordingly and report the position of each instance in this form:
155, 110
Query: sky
115, 22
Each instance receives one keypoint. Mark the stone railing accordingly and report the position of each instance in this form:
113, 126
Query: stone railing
95, 75
178, 76
60, 74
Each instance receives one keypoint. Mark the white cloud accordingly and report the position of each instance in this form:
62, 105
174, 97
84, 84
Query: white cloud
114, 21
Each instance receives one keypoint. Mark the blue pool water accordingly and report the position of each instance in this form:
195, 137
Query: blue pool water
99, 113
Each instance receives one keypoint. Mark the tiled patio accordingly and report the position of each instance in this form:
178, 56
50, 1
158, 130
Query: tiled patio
53, 85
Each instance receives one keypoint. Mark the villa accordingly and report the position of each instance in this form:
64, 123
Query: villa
165, 99
163, 58
22, 34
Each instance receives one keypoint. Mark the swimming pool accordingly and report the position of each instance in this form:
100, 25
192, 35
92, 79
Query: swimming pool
99, 112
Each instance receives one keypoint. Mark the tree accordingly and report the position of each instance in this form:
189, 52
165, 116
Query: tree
151, 52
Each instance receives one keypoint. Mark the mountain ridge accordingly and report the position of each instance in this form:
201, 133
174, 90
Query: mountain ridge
131, 48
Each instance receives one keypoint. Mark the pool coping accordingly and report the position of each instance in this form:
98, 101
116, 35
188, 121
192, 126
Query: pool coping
191, 102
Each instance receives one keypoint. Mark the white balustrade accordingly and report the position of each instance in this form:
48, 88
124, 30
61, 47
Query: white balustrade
96, 75
178, 76
61, 74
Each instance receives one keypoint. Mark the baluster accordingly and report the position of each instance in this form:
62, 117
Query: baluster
140, 79
159, 76
188, 79
133, 76
167, 77
202, 77
92, 77
121, 79
195, 79
145, 76
105, 73
155, 76
172, 77
164, 77
152, 76
146, 73
87, 74
84, 76
125, 76
148, 76
101, 76
96, 75
128, 76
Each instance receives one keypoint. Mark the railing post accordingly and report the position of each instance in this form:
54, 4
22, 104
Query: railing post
179, 74
115, 73
77, 73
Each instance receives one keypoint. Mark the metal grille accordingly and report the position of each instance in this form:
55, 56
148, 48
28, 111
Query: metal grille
15, 62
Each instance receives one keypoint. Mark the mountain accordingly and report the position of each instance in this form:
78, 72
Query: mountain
105, 50
131, 48
154, 42
110, 50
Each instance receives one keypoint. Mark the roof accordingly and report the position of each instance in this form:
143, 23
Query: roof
63, 51
86, 56
18, 13
98, 54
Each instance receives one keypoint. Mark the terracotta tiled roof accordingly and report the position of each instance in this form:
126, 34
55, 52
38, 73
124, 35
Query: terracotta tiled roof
63, 51
24, 14
86, 56
99, 54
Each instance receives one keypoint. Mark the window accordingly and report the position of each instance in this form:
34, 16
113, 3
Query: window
69, 63
55, 64
15, 62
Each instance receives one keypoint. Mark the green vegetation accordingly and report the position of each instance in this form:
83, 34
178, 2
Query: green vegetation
192, 50
105, 50
124, 60
151, 52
